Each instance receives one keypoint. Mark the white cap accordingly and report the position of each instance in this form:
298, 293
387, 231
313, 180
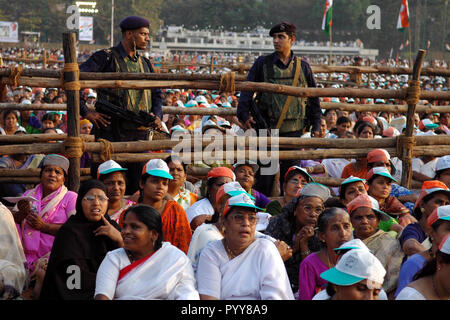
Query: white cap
232, 189
352, 244
180, 103
354, 266
314, 189
224, 123
445, 245
443, 163
191, 103
178, 128
26, 101
249, 163
241, 200
92, 95
201, 99
158, 168
109, 167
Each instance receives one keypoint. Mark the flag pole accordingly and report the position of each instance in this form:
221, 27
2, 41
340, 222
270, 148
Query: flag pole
410, 46
331, 43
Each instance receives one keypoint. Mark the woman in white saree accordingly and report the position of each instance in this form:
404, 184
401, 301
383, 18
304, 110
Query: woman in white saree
241, 266
145, 268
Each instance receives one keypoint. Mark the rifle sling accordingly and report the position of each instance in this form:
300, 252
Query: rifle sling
297, 68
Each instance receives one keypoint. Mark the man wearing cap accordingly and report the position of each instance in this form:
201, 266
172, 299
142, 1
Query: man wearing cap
280, 68
124, 58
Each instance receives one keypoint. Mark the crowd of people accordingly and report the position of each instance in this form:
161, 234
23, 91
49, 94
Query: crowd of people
219, 237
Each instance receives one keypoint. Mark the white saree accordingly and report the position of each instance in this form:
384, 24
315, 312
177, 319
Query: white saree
166, 275
256, 274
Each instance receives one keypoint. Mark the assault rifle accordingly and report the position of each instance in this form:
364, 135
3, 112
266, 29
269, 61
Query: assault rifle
143, 118
260, 122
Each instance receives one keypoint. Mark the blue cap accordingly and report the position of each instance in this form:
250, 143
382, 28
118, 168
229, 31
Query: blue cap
133, 22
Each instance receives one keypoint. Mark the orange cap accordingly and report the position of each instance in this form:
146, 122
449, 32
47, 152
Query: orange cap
429, 187
378, 155
221, 172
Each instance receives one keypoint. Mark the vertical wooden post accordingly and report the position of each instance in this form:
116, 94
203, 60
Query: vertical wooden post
73, 107
407, 150
212, 64
44, 60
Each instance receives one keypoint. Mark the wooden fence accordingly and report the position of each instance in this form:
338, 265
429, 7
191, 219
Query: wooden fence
404, 146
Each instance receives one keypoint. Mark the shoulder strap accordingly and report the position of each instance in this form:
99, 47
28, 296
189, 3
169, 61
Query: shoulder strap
297, 68
268, 63
119, 60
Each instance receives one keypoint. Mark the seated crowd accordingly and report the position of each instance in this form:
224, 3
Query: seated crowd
217, 237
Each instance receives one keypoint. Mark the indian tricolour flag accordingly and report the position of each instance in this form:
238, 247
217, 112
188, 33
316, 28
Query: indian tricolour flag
403, 17
327, 21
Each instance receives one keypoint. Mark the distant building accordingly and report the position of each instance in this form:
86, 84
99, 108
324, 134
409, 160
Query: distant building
178, 39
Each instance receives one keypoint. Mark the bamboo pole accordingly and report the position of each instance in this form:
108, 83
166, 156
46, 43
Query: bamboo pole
32, 172
190, 157
232, 111
433, 142
429, 71
73, 110
39, 137
249, 86
407, 151
42, 106
32, 180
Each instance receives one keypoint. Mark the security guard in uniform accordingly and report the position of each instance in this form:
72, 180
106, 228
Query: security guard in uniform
301, 114
110, 125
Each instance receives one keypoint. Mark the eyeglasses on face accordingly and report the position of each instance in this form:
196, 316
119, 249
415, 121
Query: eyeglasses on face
92, 198
240, 218
309, 209
298, 182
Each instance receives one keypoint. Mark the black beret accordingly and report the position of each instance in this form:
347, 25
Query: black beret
287, 27
133, 23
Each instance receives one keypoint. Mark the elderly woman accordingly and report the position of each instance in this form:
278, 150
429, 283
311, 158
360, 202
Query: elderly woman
113, 176
294, 180
214, 230
241, 266
433, 281
154, 184
40, 219
358, 275
296, 225
139, 271
245, 175
203, 209
334, 229
13, 274
177, 189
365, 217
414, 238
80, 246
439, 226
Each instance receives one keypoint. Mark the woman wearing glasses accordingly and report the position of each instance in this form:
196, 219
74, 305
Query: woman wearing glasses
296, 225
240, 266
294, 180
80, 246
